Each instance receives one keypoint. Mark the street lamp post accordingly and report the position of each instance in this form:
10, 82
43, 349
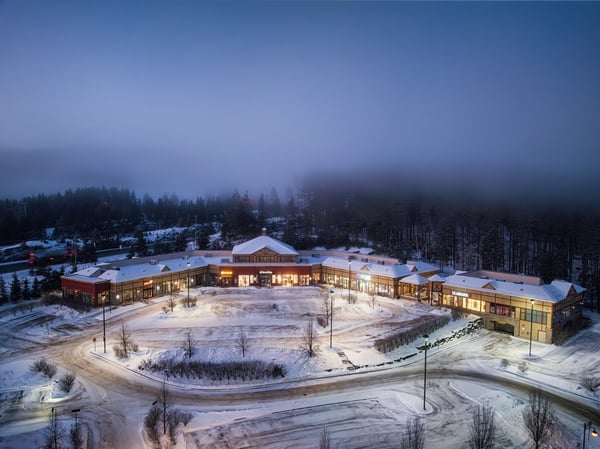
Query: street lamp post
426, 338
349, 278
104, 323
330, 317
587, 429
531, 327
188, 283
55, 427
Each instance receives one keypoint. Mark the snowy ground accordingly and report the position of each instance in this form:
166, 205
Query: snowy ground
362, 397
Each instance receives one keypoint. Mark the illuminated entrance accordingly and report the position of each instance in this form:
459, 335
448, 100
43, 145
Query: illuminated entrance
265, 278
226, 278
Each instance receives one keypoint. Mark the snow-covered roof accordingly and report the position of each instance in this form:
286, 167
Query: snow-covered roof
386, 270
263, 241
91, 272
137, 271
554, 292
415, 279
436, 278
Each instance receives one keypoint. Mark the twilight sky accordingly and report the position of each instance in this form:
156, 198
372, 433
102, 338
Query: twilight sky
194, 98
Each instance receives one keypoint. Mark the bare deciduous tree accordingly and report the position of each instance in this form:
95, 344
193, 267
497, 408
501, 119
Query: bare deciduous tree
539, 416
309, 339
54, 432
482, 431
76, 437
242, 342
162, 410
171, 302
189, 344
414, 437
125, 343
325, 441
164, 402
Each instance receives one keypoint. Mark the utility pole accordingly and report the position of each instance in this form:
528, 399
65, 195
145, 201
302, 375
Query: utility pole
104, 323
426, 338
330, 317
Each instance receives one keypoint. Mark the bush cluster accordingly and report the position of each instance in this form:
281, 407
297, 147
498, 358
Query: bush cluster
244, 370
174, 417
193, 301
590, 382
151, 421
406, 336
66, 382
42, 366
457, 314
122, 353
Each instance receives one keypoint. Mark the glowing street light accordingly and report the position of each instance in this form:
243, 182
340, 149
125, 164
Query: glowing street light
587, 428
531, 326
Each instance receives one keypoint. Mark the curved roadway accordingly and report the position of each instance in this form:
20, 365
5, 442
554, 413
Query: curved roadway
113, 406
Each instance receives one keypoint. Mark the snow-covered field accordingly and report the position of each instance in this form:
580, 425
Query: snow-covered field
361, 396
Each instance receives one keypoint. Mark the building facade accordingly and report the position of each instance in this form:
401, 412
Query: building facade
519, 305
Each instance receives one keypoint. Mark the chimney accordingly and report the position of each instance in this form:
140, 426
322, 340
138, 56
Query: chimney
264, 231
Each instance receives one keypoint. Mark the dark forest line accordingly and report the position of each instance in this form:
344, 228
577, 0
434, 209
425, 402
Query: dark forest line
460, 231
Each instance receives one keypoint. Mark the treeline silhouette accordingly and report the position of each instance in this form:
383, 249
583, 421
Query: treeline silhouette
458, 231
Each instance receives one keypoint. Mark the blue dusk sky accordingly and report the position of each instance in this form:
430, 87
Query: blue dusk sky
195, 98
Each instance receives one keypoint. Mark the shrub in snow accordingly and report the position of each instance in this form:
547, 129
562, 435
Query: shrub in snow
66, 382
322, 321
504, 363
150, 423
457, 314
178, 416
217, 372
418, 328
44, 367
523, 367
590, 382
410, 334
119, 352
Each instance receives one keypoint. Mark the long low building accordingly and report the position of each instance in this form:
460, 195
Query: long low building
520, 305
260, 262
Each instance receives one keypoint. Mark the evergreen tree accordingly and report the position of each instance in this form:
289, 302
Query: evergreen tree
274, 204
15, 289
88, 253
262, 211
26, 291
3, 291
139, 248
36, 290
180, 241
202, 236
